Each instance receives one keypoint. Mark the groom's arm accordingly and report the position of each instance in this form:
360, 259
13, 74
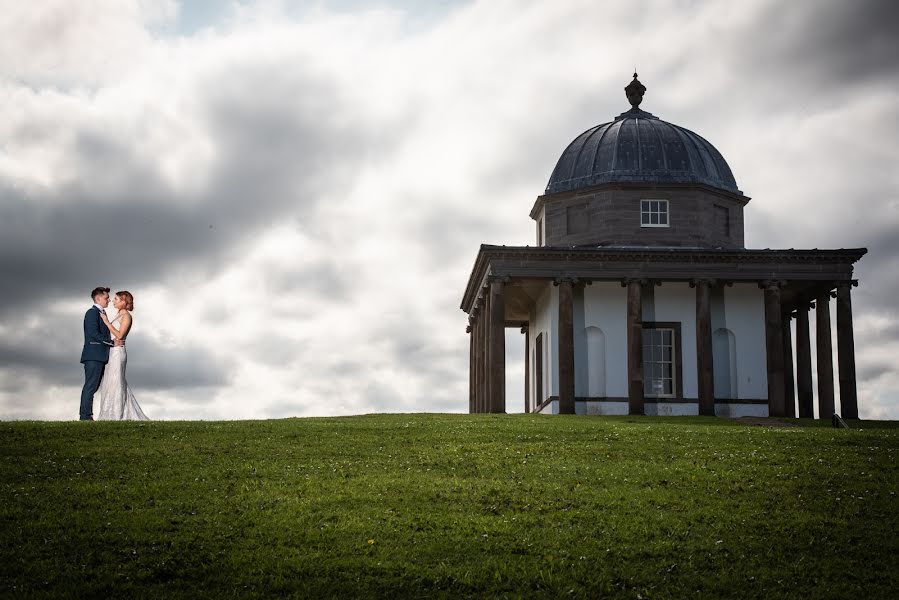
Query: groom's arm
92, 331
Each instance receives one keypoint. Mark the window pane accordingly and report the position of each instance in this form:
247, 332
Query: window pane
663, 219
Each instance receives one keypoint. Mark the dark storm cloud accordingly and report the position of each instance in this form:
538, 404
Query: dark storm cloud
50, 352
874, 371
122, 222
829, 42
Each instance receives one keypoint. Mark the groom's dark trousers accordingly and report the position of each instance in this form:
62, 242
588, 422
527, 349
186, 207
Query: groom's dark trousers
94, 356
93, 375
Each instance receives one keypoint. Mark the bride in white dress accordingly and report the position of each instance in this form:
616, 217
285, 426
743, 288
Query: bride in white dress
117, 403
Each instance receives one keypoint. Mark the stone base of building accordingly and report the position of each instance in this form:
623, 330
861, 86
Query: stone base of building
681, 408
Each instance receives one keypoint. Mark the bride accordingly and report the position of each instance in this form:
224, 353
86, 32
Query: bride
117, 403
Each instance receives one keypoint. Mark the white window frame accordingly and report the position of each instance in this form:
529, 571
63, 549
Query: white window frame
671, 363
647, 209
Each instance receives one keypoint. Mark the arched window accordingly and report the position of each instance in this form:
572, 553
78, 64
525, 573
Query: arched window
724, 350
596, 362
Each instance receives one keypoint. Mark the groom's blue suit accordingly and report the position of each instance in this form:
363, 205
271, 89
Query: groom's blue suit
95, 355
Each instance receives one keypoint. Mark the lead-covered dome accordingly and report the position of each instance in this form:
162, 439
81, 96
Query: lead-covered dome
638, 147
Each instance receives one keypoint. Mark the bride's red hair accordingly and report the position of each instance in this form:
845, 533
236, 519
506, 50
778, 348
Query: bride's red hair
128, 298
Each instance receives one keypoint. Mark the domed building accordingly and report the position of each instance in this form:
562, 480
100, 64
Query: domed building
640, 297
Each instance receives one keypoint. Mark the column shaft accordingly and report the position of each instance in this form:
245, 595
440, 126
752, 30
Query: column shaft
846, 353
485, 354
482, 356
824, 349
804, 365
471, 362
527, 370
476, 334
566, 348
497, 353
789, 378
704, 359
635, 347
774, 350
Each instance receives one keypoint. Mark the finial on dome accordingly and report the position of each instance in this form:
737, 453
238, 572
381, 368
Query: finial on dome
635, 91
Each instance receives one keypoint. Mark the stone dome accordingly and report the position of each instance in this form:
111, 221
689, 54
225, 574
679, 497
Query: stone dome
638, 147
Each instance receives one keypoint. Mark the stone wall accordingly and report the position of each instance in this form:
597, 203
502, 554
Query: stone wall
611, 216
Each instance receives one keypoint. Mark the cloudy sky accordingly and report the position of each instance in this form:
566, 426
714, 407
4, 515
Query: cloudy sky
295, 191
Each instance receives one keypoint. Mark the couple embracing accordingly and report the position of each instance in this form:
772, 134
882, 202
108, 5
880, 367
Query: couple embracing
104, 359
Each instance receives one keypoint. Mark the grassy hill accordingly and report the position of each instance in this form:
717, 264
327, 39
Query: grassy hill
449, 505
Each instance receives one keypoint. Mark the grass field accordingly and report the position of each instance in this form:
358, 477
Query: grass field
449, 505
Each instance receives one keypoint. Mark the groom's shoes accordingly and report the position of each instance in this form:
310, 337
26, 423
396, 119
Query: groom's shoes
86, 418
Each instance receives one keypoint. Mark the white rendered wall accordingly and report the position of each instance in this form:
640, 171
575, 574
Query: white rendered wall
579, 338
677, 302
605, 306
546, 321
744, 315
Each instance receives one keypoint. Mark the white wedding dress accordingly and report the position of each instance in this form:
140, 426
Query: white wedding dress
117, 403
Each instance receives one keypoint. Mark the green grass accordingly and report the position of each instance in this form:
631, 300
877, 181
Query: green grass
449, 505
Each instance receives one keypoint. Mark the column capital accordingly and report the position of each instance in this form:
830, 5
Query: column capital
802, 305
846, 284
772, 284
643, 281
703, 281
524, 329
565, 279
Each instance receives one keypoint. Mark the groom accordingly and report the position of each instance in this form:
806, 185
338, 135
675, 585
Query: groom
95, 354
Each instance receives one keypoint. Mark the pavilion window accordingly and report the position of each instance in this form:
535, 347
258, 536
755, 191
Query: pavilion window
653, 213
659, 373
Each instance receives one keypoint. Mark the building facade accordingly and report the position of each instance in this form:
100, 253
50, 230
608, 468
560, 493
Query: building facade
639, 296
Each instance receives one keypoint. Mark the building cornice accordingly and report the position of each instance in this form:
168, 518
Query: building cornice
613, 263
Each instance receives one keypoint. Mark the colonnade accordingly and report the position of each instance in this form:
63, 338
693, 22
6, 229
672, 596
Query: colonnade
487, 350
803, 390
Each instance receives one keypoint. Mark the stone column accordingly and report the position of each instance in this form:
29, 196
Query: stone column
566, 347
789, 378
804, 363
482, 355
497, 350
635, 346
774, 349
846, 352
527, 369
478, 358
824, 349
470, 331
704, 360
